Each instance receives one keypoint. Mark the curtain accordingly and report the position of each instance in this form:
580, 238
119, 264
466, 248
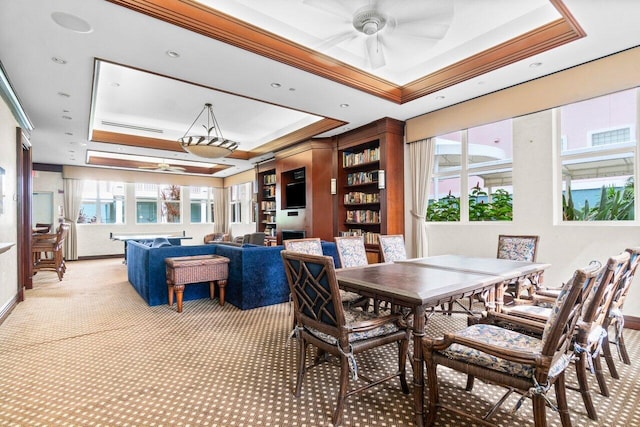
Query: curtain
421, 158
220, 202
72, 202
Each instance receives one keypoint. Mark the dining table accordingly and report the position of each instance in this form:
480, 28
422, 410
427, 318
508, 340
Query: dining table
421, 284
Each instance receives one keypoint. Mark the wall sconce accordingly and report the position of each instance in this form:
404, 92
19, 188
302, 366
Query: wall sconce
381, 180
334, 186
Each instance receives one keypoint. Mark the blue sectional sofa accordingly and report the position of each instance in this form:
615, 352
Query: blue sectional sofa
256, 273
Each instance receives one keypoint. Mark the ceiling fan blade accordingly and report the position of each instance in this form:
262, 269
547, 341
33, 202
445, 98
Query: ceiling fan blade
374, 52
335, 7
336, 40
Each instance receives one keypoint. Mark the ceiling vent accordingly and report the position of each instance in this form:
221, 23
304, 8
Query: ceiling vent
134, 127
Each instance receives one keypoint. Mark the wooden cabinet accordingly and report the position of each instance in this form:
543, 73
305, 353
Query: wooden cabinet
371, 182
267, 201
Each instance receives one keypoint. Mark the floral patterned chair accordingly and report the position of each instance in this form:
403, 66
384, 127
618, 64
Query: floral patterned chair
392, 247
518, 248
322, 321
513, 359
351, 251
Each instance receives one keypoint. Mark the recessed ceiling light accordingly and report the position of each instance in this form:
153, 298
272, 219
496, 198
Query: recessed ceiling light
439, 97
65, 111
66, 117
173, 54
69, 133
275, 85
292, 89
344, 105
535, 64
115, 84
71, 22
64, 95
58, 60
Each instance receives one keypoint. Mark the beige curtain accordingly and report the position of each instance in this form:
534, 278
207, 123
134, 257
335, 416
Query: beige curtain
421, 158
220, 209
72, 203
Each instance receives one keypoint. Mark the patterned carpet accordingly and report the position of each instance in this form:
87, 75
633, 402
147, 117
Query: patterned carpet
88, 351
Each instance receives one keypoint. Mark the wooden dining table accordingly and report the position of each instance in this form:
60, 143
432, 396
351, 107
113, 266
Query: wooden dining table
423, 283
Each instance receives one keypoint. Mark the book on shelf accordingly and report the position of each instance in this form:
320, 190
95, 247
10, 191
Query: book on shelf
363, 216
357, 197
365, 156
268, 206
369, 237
269, 179
357, 178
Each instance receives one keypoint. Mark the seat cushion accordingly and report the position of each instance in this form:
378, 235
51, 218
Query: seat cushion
536, 311
355, 316
505, 338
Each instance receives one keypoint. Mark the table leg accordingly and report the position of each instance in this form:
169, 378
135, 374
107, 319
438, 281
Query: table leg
221, 284
179, 289
418, 365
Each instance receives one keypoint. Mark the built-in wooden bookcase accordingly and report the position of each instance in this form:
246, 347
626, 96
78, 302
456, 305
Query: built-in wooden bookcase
370, 182
267, 201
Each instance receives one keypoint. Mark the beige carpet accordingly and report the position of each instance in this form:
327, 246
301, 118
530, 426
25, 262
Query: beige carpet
88, 351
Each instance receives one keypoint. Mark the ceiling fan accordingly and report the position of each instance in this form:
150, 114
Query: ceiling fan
382, 23
164, 167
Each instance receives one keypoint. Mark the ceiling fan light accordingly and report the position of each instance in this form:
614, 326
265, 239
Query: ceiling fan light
370, 27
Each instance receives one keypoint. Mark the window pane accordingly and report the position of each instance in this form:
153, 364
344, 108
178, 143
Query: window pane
598, 155
87, 213
598, 189
146, 211
170, 212
444, 200
448, 152
490, 196
196, 212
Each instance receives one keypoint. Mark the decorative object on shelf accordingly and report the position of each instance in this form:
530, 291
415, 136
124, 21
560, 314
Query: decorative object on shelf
334, 186
212, 145
381, 179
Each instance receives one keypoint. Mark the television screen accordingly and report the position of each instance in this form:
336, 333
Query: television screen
295, 194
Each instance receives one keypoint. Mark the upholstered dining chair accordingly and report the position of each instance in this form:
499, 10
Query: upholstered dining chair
513, 359
392, 247
518, 248
591, 332
51, 245
615, 317
324, 322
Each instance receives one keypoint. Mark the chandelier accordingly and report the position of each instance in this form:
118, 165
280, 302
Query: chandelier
212, 145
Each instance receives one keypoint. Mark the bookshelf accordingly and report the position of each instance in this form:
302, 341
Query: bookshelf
370, 183
267, 202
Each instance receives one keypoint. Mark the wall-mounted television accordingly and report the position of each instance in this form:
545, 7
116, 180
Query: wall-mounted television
295, 195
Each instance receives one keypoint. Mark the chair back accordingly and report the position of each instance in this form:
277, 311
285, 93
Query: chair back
315, 292
560, 328
624, 284
351, 251
61, 235
309, 245
517, 248
597, 304
392, 247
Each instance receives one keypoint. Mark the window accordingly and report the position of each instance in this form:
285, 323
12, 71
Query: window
597, 163
201, 205
479, 159
241, 203
102, 203
152, 199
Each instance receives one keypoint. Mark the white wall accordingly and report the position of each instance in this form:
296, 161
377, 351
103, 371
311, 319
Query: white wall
565, 246
9, 216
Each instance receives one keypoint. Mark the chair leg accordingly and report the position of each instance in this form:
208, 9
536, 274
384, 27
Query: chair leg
561, 399
602, 382
434, 395
302, 356
539, 411
402, 365
342, 393
608, 357
583, 385
622, 347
